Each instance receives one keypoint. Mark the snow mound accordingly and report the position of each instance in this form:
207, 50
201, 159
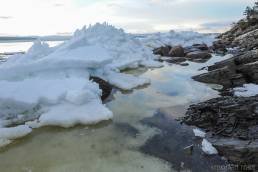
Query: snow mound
51, 86
184, 38
208, 148
247, 90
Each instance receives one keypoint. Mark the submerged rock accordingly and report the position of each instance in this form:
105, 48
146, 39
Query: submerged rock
104, 86
177, 144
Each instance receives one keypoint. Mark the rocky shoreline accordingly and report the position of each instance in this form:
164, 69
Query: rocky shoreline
231, 122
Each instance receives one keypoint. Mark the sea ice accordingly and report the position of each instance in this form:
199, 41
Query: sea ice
199, 133
246, 91
208, 148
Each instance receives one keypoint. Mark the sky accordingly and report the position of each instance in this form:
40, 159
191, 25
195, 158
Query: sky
50, 17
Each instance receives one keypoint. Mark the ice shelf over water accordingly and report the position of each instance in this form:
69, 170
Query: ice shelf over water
51, 86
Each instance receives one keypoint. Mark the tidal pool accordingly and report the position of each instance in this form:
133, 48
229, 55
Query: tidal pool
113, 145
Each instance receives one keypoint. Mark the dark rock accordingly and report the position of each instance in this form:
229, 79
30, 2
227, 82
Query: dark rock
232, 72
202, 47
244, 154
176, 60
184, 64
163, 51
190, 49
177, 51
104, 86
198, 55
226, 116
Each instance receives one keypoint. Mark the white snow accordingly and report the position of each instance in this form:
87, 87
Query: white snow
208, 148
246, 91
184, 38
199, 133
69, 115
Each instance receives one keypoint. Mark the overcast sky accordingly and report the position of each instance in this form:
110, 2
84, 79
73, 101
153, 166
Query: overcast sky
46, 17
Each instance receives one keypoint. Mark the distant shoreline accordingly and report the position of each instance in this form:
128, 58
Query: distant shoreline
9, 39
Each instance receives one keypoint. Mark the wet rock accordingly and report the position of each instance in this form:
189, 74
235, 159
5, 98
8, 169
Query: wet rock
184, 64
104, 86
233, 72
226, 116
176, 60
198, 55
239, 152
163, 51
202, 47
177, 51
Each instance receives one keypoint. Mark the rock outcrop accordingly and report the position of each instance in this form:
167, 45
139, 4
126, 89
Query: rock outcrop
233, 72
231, 123
179, 54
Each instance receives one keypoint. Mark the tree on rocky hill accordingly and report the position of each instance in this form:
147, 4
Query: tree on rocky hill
251, 14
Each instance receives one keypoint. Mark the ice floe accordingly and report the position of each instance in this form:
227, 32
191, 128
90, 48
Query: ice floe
199, 133
246, 91
208, 148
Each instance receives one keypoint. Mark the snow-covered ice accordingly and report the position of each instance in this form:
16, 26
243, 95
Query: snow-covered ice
246, 91
208, 148
184, 38
51, 86
9, 134
199, 133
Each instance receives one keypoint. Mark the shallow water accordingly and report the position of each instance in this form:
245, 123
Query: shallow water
112, 145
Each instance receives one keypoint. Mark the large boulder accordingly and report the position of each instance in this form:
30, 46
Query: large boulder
163, 51
198, 55
202, 47
177, 51
176, 60
233, 72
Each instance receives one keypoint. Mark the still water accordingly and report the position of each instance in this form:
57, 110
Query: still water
113, 145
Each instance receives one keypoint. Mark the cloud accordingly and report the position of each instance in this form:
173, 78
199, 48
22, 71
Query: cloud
33, 17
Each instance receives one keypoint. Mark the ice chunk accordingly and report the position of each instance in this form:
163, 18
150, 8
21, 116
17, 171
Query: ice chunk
14, 132
4, 142
246, 91
68, 115
208, 148
125, 81
199, 133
